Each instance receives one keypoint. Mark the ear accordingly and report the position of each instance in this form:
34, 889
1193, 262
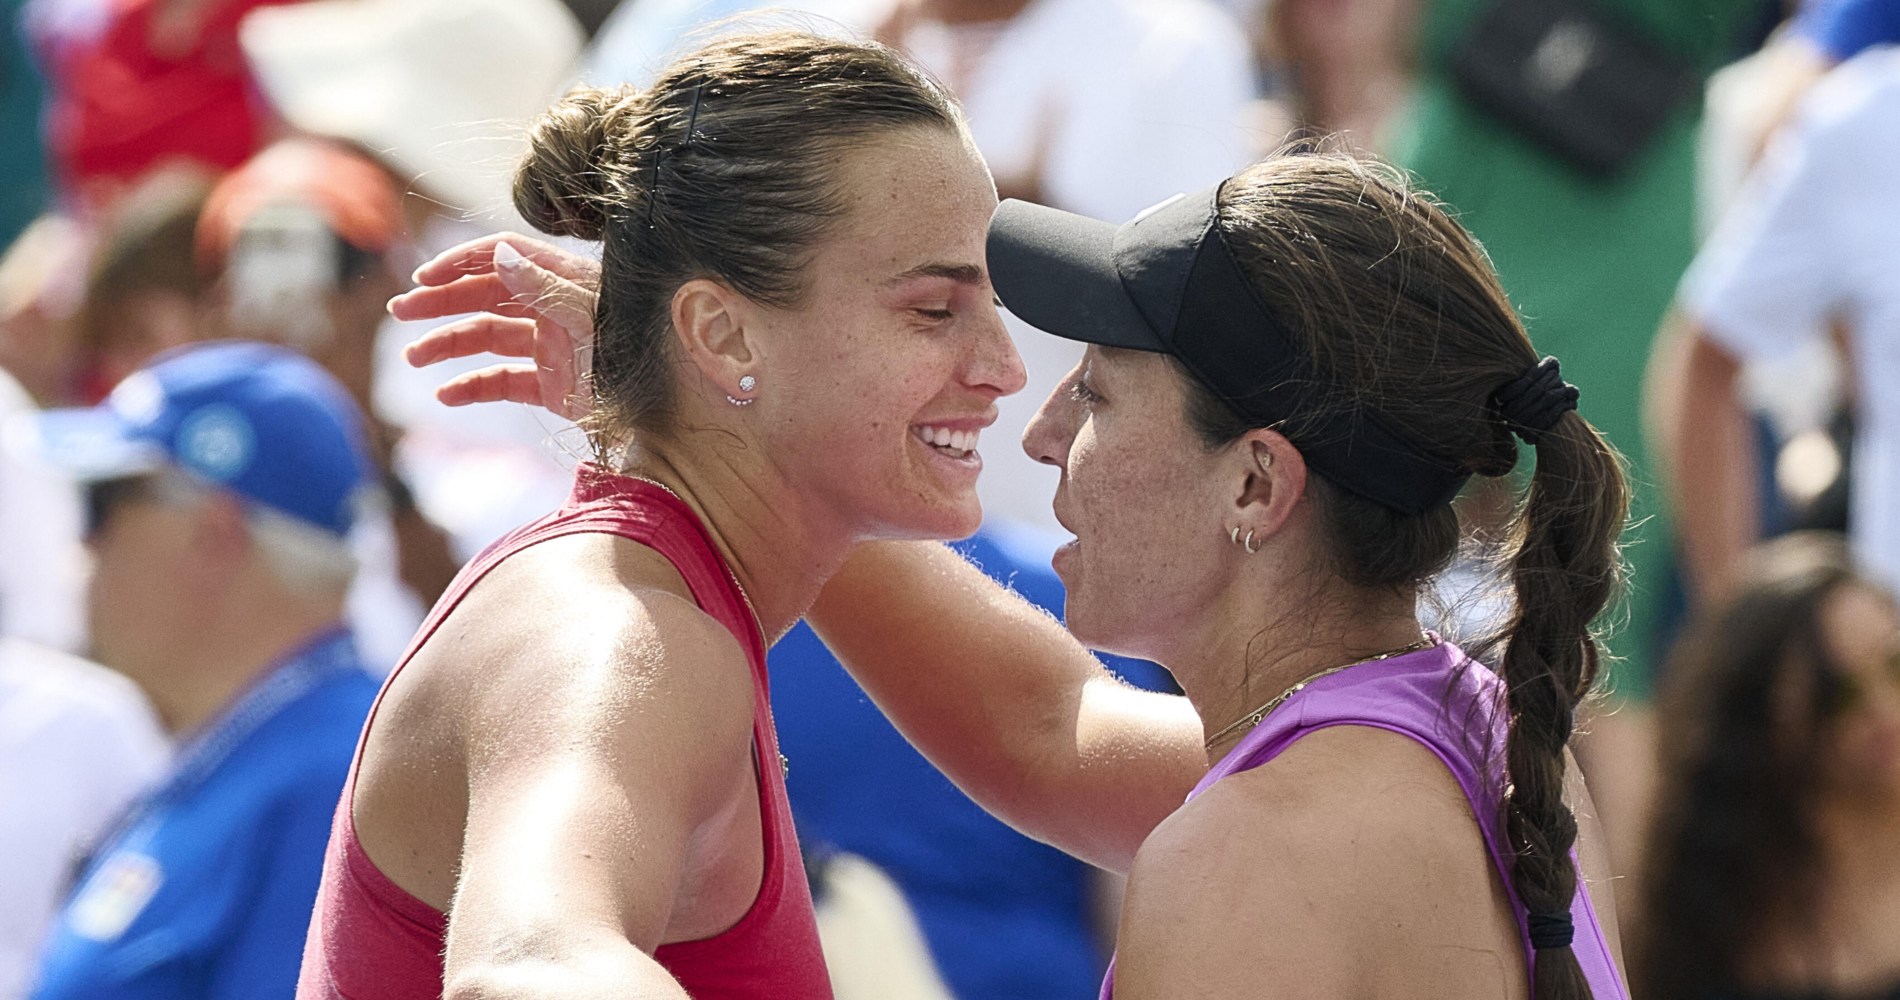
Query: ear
711, 322
1272, 479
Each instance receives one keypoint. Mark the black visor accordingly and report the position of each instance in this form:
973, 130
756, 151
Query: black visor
1167, 283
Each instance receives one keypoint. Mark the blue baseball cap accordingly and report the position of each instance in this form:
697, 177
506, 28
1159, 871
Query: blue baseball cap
261, 421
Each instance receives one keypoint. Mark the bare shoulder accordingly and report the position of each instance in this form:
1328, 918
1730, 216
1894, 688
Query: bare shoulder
1349, 866
576, 637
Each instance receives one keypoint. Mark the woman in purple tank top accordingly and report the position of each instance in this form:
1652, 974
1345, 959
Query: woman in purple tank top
1288, 380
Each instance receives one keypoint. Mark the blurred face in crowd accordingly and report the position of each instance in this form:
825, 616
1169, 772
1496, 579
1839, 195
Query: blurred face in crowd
873, 390
1862, 630
161, 550
1144, 498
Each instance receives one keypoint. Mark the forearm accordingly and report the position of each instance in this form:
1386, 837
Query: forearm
1709, 445
1001, 698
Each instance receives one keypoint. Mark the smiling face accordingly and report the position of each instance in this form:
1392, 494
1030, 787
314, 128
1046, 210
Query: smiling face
1147, 502
872, 392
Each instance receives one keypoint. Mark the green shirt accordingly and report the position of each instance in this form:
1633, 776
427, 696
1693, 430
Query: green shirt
1591, 264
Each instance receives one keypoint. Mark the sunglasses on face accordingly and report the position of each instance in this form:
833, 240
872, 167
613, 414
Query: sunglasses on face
106, 496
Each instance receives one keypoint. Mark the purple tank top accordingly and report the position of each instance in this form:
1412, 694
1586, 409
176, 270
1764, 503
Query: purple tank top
1453, 706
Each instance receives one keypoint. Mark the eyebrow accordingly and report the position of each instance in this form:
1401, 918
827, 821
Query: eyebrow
963, 274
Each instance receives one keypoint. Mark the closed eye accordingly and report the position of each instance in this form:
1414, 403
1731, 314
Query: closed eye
935, 314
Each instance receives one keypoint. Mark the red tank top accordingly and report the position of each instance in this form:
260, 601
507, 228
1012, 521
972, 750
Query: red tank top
370, 940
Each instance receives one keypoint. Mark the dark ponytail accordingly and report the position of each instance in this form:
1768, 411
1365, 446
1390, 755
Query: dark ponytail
1564, 570
1401, 312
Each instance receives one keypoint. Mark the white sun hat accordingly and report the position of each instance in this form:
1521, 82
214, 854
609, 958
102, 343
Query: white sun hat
439, 89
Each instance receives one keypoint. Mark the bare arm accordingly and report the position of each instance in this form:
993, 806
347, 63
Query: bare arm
993, 691
591, 778
1695, 410
1002, 699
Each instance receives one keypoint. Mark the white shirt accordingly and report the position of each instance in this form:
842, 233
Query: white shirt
42, 561
77, 744
1816, 236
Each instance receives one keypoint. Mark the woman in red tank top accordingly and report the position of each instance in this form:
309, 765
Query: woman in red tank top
570, 787
1289, 378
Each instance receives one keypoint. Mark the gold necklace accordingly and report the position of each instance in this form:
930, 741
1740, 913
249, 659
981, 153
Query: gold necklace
1253, 718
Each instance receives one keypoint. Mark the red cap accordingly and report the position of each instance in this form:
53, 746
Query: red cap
356, 198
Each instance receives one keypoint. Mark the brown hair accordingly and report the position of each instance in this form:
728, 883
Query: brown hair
744, 198
1751, 701
1400, 311
146, 247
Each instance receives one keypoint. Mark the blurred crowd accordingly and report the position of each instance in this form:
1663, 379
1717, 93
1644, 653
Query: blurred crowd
226, 502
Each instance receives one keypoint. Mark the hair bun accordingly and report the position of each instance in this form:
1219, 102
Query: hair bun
570, 181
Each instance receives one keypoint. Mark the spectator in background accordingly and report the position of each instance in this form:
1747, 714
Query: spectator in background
303, 246
42, 277
42, 565
437, 92
144, 294
1771, 872
1809, 242
1508, 124
221, 482
137, 85
77, 744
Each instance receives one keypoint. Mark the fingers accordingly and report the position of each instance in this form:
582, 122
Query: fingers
494, 384
514, 384
478, 293
477, 257
484, 333
546, 294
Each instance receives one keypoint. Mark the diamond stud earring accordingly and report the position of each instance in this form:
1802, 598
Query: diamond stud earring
746, 384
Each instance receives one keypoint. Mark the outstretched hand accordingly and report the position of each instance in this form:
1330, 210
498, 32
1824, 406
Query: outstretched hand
531, 300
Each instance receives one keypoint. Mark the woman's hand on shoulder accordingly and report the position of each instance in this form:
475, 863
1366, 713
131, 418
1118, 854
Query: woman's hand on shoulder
530, 299
1320, 875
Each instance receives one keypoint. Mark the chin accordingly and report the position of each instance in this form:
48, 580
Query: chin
942, 521
1090, 630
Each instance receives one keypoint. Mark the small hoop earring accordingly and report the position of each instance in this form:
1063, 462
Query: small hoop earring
1233, 534
1250, 546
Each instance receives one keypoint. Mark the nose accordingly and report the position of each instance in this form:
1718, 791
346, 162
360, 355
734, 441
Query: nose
1052, 430
995, 363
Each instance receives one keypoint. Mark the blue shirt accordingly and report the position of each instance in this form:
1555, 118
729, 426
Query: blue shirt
1845, 28
205, 889
1005, 916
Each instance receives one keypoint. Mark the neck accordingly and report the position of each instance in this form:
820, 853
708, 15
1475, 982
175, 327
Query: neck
1244, 662
781, 549
211, 675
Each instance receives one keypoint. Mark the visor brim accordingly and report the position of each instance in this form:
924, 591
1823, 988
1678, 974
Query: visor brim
1055, 270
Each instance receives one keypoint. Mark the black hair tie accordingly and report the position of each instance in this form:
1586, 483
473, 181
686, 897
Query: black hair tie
1533, 402
1551, 931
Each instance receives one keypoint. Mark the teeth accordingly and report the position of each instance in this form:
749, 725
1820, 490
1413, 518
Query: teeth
944, 437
